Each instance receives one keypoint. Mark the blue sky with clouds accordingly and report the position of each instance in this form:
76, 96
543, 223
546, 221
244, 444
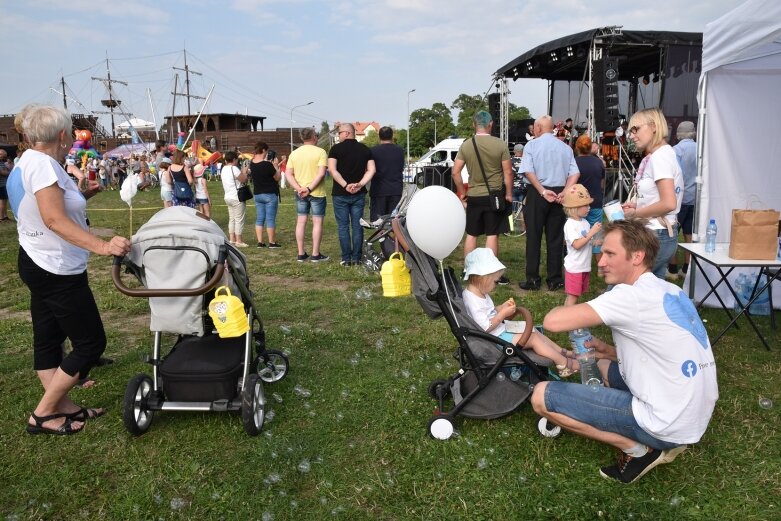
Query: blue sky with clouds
355, 59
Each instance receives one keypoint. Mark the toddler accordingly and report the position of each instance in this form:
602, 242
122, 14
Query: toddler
577, 234
202, 191
483, 270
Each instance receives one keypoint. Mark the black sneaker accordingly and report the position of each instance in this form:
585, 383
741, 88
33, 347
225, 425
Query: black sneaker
555, 286
319, 258
529, 285
302, 258
273, 245
503, 281
629, 469
261, 245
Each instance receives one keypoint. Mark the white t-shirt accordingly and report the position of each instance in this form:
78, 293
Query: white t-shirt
664, 356
482, 310
230, 183
577, 261
200, 190
35, 171
662, 164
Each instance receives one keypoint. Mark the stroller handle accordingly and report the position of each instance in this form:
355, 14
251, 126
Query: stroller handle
527, 317
396, 226
172, 292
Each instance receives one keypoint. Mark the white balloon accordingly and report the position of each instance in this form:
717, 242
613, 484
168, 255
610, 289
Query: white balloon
436, 221
129, 189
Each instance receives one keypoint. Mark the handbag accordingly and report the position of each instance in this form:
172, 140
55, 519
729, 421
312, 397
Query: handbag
754, 234
183, 190
496, 198
242, 192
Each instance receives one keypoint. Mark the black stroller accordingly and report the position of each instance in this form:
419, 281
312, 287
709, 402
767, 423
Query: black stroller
381, 244
180, 256
491, 382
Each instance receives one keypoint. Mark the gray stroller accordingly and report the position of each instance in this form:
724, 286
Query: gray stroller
495, 377
179, 257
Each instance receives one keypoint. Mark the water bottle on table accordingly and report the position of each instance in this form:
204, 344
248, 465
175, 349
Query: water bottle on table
710, 237
589, 372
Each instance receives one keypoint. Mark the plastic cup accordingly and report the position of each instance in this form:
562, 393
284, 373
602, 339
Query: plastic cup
613, 211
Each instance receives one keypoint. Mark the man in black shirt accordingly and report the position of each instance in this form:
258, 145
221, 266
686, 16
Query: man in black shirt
387, 182
352, 167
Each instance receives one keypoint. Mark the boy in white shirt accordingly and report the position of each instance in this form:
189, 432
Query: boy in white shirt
577, 234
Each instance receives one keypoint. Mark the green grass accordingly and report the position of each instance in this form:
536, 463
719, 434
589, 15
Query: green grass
356, 445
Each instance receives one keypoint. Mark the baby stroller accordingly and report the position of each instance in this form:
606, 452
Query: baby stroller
491, 382
179, 256
381, 244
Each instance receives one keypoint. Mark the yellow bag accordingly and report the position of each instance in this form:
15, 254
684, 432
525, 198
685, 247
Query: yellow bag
227, 313
396, 280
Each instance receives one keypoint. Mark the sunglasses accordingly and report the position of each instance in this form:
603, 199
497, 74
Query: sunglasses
633, 130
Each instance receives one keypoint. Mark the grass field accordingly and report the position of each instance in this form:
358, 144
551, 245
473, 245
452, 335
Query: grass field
347, 436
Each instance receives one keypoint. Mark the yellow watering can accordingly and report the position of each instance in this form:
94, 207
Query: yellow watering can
396, 280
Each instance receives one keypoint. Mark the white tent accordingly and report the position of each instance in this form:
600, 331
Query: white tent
137, 123
740, 110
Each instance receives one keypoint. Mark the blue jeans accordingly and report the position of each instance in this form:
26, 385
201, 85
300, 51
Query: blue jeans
348, 210
667, 247
266, 210
608, 409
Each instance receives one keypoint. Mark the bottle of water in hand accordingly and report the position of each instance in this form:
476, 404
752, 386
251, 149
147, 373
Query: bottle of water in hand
589, 372
710, 237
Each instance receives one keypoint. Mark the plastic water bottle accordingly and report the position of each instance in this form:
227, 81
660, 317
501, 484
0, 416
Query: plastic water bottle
589, 372
710, 237
515, 373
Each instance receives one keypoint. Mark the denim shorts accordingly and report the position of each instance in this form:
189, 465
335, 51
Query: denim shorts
316, 204
202, 201
608, 409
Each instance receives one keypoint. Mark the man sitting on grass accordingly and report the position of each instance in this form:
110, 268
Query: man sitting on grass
661, 375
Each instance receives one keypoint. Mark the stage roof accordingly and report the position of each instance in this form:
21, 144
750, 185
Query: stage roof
565, 58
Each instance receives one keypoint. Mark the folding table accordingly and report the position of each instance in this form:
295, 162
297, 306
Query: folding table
721, 260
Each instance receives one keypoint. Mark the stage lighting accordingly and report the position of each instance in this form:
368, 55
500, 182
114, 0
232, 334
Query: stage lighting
553, 57
570, 52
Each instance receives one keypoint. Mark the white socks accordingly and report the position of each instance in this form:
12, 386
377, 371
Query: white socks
638, 451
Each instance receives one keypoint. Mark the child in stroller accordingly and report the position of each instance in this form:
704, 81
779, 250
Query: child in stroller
482, 269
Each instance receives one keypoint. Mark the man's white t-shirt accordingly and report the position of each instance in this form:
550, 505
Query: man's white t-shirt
664, 356
662, 164
35, 171
482, 310
577, 261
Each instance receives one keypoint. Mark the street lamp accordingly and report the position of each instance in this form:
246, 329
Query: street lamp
291, 131
408, 129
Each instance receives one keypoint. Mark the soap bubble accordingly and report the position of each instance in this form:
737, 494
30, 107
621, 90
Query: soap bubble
765, 403
345, 394
339, 416
270, 416
285, 329
379, 344
522, 479
301, 391
676, 501
277, 397
293, 503
267, 516
482, 464
395, 330
355, 360
500, 376
178, 503
267, 434
273, 478
405, 373
158, 498
304, 466
363, 293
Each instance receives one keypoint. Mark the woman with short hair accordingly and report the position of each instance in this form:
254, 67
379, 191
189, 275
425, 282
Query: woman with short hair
54, 246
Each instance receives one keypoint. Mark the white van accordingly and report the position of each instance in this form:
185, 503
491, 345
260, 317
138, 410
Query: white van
444, 154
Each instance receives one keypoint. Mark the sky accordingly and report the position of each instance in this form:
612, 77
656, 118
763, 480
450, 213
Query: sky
356, 60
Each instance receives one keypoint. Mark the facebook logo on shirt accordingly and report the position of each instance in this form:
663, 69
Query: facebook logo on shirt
689, 368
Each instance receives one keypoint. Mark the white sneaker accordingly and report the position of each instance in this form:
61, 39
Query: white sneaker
240, 244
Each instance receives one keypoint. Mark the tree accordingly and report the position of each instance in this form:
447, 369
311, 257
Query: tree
325, 141
371, 138
518, 113
467, 106
429, 126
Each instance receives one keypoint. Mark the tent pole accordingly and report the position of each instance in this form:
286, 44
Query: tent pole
703, 114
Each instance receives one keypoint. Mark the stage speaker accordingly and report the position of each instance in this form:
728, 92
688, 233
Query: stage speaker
605, 76
493, 108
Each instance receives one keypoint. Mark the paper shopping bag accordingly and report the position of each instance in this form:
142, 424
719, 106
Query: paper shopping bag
754, 234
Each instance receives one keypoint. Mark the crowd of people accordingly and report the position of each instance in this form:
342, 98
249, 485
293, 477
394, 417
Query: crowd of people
659, 373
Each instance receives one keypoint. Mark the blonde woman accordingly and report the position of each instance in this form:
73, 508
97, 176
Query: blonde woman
659, 184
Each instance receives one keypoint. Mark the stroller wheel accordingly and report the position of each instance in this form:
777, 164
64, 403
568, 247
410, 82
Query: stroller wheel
272, 366
135, 412
436, 387
549, 430
253, 405
441, 427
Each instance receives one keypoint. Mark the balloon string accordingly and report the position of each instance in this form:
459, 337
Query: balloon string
447, 292
131, 220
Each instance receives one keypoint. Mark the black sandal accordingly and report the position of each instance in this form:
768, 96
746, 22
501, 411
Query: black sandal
85, 413
65, 429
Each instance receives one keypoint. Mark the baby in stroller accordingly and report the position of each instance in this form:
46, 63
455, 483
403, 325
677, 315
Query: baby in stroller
482, 269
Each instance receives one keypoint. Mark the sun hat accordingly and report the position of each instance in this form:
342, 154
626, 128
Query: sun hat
165, 160
481, 261
576, 196
198, 170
